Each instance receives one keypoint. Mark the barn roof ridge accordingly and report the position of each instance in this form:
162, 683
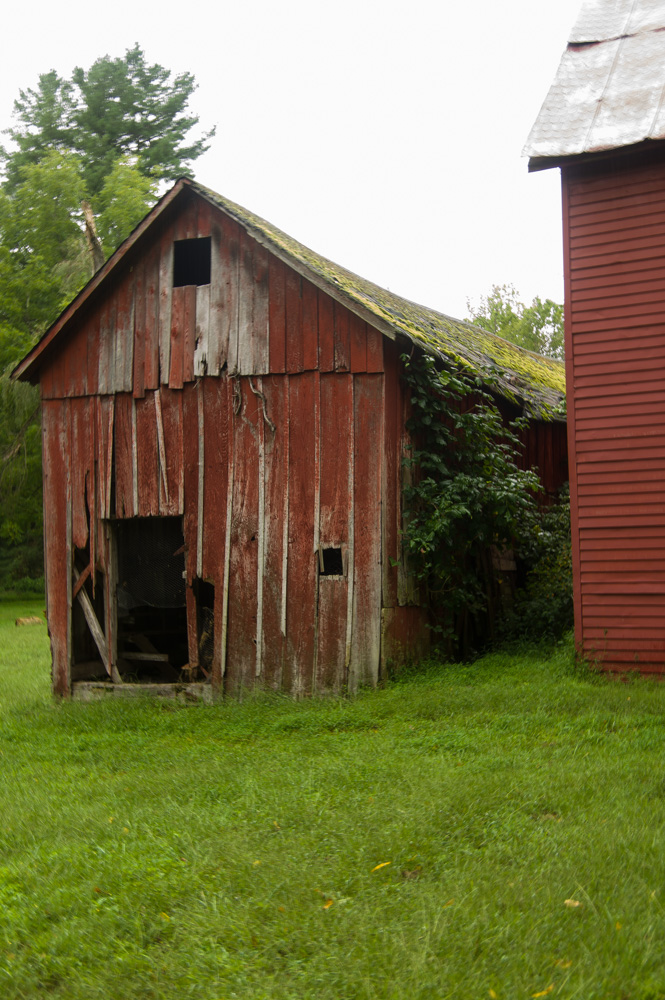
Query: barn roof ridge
522, 376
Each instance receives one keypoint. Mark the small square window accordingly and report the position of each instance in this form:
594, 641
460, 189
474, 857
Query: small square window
331, 562
191, 262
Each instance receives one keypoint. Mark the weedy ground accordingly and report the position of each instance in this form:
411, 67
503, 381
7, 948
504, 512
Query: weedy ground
486, 831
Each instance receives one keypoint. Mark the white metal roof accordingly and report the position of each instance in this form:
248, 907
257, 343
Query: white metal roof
609, 90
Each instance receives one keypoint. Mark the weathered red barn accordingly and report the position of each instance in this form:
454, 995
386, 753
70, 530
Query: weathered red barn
223, 434
603, 124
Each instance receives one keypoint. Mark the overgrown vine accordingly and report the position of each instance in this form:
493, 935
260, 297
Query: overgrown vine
467, 500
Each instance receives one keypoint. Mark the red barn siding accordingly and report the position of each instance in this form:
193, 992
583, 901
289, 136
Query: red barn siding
270, 420
614, 240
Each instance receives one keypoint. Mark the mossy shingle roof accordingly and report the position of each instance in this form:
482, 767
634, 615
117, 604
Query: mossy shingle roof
521, 376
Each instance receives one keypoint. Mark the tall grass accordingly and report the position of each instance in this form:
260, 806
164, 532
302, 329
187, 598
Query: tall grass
493, 830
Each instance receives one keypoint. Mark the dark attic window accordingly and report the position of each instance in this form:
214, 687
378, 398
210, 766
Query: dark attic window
331, 562
191, 262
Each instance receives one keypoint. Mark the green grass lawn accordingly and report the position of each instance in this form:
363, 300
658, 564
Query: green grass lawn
494, 830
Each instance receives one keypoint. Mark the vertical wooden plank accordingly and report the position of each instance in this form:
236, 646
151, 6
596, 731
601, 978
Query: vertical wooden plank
138, 374
82, 429
191, 456
217, 346
366, 636
275, 390
294, 329
165, 293
253, 308
357, 343
177, 337
341, 338
135, 463
202, 346
222, 606
336, 437
310, 326
103, 375
375, 347
93, 350
192, 629
123, 457
58, 387
152, 303
230, 265
110, 599
189, 332
300, 615
242, 603
261, 313
261, 526
124, 334
203, 218
55, 443
75, 354
200, 505
214, 407
391, 519
277, 315
147, 457
174, 501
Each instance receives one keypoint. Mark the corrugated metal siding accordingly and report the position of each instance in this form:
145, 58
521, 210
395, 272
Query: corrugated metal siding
613, 216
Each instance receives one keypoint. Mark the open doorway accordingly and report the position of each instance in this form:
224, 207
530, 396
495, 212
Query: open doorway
151, 599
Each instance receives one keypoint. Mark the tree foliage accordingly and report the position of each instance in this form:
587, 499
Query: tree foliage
538, 327
103, 138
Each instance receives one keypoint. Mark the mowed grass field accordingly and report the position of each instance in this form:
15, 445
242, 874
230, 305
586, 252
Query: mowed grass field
486, 831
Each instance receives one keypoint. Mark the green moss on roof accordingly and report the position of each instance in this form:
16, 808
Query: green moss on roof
521, 376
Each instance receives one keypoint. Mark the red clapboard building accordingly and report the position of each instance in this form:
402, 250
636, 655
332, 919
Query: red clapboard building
603, 124
223, 435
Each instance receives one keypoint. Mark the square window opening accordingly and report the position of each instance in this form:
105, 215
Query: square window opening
191, 262
331, 562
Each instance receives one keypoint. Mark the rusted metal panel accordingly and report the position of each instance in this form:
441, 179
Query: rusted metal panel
301, 576
242, 604
57, 538
366, 639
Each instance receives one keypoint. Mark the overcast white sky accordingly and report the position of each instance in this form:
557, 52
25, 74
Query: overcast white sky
384, 135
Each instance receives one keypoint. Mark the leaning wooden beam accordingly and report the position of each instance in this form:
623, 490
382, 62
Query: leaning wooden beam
93, 624
80, 580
